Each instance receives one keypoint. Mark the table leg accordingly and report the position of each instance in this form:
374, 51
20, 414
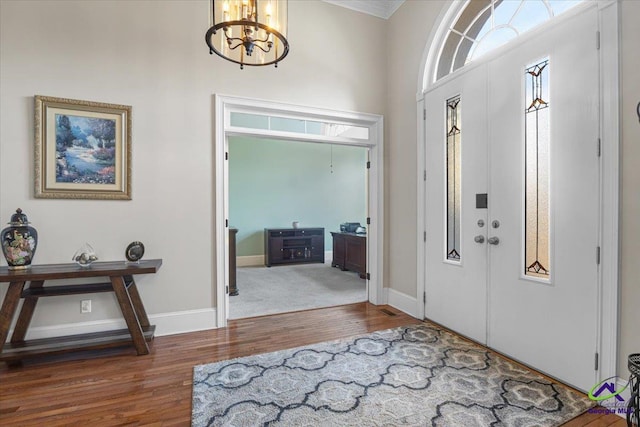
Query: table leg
129, 314
26, 313
138, 306
8, 310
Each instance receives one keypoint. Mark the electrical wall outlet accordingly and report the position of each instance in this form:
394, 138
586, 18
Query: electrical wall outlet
85, 306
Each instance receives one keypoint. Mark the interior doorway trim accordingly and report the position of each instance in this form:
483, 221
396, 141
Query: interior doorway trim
225, 106
608, 287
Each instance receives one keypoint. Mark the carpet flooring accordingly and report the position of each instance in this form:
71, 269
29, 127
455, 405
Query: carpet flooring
419, 375
286, 288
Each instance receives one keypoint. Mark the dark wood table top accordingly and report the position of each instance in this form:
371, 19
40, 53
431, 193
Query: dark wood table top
348, 233
73, 270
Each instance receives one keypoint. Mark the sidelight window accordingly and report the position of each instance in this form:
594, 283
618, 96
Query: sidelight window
454, 178
537, 147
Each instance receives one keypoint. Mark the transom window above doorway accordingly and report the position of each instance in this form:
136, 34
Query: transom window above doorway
299, 126
484, 25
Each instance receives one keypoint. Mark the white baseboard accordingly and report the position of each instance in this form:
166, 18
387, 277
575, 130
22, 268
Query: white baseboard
166, 324
258, 260
328, 257
402, 302
249, 260
180, 322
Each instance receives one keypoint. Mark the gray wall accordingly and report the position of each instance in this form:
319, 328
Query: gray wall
273, 183
152, 55
630, 186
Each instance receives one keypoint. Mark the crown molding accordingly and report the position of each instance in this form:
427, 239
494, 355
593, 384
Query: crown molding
380, 8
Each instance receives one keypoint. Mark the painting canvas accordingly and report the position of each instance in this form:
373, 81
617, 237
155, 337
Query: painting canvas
83, 149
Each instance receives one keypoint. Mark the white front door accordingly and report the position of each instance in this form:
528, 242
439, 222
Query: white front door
457, 171
540, 168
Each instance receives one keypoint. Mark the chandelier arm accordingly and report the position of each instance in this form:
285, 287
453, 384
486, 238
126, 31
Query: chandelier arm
232, 39
263, 41
236, 46
262, 49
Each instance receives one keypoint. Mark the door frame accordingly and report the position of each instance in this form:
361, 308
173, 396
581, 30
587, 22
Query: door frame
224, 106
609, 141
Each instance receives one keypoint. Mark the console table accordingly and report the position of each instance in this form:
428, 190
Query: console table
293, 245
121, 282
350, 252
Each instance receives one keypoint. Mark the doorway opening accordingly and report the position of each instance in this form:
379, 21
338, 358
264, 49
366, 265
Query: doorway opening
248, 118
287, 200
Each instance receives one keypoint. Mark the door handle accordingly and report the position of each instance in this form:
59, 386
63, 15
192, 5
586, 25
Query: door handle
479, 238
493, 240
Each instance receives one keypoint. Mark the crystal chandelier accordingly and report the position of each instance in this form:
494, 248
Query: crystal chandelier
248, 32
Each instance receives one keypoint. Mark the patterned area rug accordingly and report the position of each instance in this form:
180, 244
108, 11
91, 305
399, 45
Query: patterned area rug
418, 375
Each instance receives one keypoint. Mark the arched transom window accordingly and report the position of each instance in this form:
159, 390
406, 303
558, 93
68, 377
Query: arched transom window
483, 25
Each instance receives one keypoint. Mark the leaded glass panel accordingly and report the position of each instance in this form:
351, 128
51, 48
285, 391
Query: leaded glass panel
454, 178
537, 147
484, 25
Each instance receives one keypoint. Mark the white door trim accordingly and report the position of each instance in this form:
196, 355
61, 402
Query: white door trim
610, 187
607, 316
224, 105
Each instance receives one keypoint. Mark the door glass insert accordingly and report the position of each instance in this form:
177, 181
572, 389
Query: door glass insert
454, 178
537, 143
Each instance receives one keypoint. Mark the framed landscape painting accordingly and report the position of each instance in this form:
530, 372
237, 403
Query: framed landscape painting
82, 150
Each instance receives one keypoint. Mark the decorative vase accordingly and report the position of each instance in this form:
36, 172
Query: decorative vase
19, 242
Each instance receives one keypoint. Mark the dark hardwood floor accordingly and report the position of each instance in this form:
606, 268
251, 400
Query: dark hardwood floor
120, 388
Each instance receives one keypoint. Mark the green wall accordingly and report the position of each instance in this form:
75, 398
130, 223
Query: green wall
273, 183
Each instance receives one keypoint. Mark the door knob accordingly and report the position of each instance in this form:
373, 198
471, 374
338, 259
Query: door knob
493, 240
479, 238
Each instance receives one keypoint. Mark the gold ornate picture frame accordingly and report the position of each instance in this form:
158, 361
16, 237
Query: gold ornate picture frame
82, 149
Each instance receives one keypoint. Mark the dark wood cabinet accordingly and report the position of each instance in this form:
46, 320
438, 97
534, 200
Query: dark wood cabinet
350, 252
233, 287
293, 245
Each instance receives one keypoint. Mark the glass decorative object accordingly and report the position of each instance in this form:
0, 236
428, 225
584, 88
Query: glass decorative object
85, 256
19, 242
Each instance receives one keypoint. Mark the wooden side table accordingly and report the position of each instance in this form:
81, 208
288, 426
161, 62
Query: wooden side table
139, 331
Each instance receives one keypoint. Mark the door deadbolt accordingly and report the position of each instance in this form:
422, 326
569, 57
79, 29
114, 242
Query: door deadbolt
495, 223
480, 223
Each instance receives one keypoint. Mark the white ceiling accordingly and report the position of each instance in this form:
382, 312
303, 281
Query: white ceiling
380, 8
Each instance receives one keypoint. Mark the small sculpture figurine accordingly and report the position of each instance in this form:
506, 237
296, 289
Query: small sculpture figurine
85, 256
